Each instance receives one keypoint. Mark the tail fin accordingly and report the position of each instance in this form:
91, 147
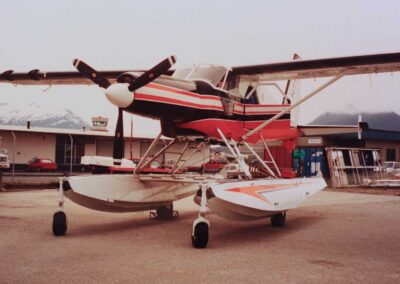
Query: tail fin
292, 94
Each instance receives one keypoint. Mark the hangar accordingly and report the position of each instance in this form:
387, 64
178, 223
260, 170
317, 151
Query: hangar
67, 146
360, 146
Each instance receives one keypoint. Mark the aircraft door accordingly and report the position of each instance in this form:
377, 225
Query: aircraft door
228, 106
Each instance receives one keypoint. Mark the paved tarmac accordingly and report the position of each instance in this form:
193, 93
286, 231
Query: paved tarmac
334, 238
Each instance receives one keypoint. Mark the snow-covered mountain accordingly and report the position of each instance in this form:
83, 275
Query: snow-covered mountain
40, 115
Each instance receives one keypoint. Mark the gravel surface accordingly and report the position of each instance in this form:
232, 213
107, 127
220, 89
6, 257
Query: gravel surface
334, 238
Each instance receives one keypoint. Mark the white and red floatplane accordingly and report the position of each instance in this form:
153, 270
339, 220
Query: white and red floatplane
212, 102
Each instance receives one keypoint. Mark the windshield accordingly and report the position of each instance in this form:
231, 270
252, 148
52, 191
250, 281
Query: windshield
210, 73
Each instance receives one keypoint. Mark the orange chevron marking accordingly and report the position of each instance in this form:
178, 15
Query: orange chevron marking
256, 190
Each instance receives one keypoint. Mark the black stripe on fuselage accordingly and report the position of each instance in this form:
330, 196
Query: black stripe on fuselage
178, 113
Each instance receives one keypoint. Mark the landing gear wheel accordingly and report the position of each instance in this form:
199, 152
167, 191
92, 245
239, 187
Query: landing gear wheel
200, 235
59, 223
165, 212
278, 220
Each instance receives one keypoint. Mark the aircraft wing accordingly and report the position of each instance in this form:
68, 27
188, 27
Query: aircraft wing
298, 69
37, 77
305, 69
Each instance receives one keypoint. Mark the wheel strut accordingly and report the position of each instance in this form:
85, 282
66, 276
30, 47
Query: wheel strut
60, 222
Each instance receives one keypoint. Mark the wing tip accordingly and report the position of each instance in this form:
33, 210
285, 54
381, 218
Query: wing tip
172, 59
76, 62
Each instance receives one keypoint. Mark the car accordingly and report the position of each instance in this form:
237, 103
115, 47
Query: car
4, 161
232, 171
214, 165
41, 164
393, 169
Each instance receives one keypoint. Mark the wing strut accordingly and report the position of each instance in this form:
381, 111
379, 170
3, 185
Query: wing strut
143, 159
260, 160
278, 115
270, 155
236, 153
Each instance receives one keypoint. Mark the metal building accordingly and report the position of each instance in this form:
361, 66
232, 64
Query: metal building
67, 146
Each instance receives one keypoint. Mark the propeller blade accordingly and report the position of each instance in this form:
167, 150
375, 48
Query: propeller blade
152, 73
92, 74
118, 151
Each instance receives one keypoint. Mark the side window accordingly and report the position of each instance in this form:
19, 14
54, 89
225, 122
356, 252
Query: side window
390, 154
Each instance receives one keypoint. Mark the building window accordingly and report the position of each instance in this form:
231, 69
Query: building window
390, 154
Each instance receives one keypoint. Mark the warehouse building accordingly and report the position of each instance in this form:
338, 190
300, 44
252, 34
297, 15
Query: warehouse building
67, 146
359, 147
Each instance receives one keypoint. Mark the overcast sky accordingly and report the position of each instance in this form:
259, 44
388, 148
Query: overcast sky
137, 34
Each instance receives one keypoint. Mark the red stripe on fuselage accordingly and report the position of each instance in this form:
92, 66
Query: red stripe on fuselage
155, 98
181, 92
208, 97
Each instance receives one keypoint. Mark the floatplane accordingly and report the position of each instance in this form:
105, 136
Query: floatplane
210, 103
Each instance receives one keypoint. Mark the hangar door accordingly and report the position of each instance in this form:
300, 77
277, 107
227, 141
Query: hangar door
104, 148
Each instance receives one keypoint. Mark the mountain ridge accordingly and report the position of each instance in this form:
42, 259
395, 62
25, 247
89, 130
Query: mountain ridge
40, 116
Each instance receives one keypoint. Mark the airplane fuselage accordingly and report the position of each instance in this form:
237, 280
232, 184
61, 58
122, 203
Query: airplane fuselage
191, 113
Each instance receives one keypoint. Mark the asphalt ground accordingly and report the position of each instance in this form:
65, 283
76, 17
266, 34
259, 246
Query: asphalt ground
334, 238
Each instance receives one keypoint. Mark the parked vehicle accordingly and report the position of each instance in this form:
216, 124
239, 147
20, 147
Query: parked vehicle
4, 161
232, 171
41, 164
393, 169
213, 166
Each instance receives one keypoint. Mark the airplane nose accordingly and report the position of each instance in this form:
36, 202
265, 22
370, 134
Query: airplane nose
119, 95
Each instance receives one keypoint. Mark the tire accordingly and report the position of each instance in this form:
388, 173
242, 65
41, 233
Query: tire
200, 235
278, 220
165, 212
59, 223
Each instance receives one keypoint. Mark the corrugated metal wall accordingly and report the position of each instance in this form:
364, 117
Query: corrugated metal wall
104, 148
29, 145
90, 149
281, 155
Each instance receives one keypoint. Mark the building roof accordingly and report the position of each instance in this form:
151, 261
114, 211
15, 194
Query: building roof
350, 132
381, 135
324, 130
84, 132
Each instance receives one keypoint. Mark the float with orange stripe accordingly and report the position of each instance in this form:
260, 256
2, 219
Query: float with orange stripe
256, 199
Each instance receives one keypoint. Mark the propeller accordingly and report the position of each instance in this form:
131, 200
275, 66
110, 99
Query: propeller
103, 82
153, 73
91, 74
142, 80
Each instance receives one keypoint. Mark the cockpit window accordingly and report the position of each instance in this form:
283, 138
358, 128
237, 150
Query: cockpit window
210, 73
